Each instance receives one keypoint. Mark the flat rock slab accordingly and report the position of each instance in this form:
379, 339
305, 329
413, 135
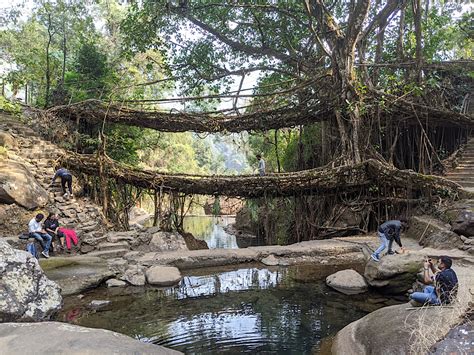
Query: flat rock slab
163, 275
316, 249
270, 261
349, 282
76, 274
62, 338
115, 283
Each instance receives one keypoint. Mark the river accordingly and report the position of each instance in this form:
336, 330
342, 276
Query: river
231, 310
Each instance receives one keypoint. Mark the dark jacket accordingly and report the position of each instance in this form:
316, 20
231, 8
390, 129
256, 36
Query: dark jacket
446, 283
61, 173
391, 230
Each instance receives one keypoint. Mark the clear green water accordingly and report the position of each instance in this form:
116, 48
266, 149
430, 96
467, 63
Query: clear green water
246, 310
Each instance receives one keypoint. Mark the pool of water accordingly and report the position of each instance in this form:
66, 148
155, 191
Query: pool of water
247, 310
211, 230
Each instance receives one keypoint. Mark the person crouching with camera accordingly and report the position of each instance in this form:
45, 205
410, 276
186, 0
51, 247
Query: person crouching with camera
443, 280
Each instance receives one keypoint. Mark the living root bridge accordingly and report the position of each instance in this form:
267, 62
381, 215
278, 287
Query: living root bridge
98, 111
322, 180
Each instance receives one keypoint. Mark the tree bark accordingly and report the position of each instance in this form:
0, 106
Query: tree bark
418, 34
48, 72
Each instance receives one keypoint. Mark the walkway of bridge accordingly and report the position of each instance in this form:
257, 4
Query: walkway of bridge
321, 180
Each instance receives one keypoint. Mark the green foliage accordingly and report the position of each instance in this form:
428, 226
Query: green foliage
9, 106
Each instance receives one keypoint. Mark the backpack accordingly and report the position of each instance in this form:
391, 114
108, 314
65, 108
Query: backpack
31, 248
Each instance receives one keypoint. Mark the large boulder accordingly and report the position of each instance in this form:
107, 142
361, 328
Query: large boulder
62, 338
193, 243
138, 216
395, 330
433, 233
78, 273
7, 140
134, 275
163, 275
18, 185
464, 223
394, 273
167, 241
26, 294
349, 282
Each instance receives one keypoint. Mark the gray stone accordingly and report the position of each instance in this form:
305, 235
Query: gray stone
464, 224
114, 237
394, 273
270, 260
17, 185
98, 303
167, 241
394, 330
433, 233
7, 140
442, 240
62, 338
77, 273
163, 275
132, 255
134, 275
118, 266
349, 282
26, 294
115, 283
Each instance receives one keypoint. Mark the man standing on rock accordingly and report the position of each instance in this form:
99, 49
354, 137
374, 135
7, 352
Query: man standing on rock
445, 283
36, 231
66, 178
261, 165
389, 232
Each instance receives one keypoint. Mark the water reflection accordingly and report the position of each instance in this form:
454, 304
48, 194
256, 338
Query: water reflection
238, 280
246, 310
211, 230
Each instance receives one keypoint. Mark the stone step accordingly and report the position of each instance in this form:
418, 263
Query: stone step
461, 173
113, 246
109, 254
466, 183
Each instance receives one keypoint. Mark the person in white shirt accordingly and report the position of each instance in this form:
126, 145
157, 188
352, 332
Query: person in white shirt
261, 165
36, 231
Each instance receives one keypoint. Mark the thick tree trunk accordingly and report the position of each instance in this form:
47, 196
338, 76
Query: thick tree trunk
418, 34
48, 69
63, 74
401, 32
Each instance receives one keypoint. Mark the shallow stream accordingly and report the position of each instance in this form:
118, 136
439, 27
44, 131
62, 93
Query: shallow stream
249, 309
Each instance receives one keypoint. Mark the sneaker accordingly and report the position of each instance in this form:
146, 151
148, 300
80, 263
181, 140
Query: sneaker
45, 254
375, 258
390, 252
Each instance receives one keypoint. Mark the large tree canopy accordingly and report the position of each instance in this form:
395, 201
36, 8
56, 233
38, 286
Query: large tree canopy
294, 43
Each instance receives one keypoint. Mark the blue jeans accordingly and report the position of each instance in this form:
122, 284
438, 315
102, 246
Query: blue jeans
44, 239
427, 296
385, 243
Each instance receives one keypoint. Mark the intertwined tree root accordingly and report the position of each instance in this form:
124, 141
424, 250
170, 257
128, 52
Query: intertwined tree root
340, 179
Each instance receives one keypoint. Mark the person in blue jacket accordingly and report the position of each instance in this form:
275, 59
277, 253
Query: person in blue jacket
66, 178
389, 232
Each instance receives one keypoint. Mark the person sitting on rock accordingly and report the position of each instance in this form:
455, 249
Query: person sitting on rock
445, 283
389, 232
36, 231
51, 225
66, 178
